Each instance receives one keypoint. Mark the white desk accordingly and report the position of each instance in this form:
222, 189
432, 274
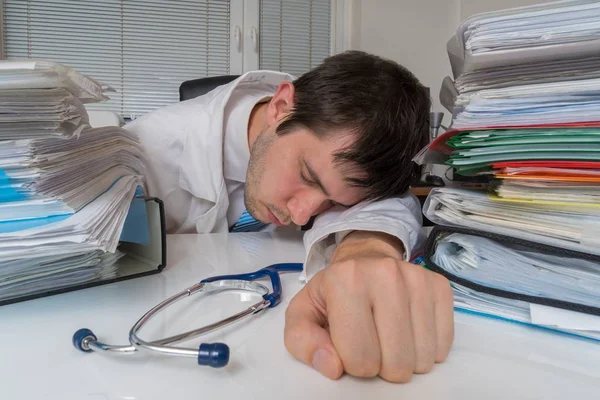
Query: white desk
490, 359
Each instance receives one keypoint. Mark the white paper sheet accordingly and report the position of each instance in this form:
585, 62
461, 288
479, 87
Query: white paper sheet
565, 319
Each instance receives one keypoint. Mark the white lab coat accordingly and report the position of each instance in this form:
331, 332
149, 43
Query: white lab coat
184, 144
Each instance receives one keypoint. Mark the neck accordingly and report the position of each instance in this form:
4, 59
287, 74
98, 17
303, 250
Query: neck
256, 122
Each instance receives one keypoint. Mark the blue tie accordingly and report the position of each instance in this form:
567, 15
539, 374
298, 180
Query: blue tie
247, 223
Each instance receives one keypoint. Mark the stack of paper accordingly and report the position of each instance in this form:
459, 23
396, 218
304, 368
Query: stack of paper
55, 176
533, 27
526, 119
541, 72
521, 273
65, 188
570, 182
549, 103
563, 225
500, 266
532, 65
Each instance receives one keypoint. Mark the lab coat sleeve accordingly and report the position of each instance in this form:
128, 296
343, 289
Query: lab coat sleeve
400, 217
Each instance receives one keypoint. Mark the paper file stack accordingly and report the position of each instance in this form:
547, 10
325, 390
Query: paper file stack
526, 66
526, 116
65, 188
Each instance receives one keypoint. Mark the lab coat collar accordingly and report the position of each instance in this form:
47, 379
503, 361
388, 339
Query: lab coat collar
203, 151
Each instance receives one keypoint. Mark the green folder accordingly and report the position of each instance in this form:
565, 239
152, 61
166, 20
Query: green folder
576, 155
477, 149
516, 140
530, 148
485, 138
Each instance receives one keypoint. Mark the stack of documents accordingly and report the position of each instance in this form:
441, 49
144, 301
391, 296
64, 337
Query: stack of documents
541, 72
548, 103
519, 281
569, 182
531, 65
57, 176
526, 113
562, 225
65, 188
533, 27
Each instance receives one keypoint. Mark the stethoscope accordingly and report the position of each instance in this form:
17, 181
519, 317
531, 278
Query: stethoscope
210, 354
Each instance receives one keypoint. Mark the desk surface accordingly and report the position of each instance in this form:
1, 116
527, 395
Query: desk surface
490, 359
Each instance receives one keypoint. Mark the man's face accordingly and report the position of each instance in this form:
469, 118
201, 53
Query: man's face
292, 177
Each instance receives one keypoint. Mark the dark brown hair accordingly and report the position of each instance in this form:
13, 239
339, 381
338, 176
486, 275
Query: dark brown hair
381, 103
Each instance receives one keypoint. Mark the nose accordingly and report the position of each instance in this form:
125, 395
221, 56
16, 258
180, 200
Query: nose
304, 205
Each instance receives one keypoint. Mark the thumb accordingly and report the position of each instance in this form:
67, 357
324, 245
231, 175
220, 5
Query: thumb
304, 335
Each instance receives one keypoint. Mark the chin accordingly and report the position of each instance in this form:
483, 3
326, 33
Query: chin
257, 215
262, 219
254, 215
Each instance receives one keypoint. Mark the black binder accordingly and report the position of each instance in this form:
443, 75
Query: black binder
440, 231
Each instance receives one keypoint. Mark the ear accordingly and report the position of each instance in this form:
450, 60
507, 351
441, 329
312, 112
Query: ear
281, 104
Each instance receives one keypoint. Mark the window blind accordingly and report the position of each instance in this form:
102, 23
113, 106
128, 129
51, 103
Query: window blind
294, 35
144, 49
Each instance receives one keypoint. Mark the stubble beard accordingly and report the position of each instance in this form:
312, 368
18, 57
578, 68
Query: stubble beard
256, 170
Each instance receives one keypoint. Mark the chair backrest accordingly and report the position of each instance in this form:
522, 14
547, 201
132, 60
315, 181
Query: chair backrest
198, 87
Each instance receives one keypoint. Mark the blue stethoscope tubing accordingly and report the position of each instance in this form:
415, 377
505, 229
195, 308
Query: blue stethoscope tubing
210, 354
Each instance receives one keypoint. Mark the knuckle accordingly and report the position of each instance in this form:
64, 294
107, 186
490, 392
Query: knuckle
347, 275
426, 358
389, 262
397, 375
364, 369
387, 269
442, 356
440, 280
442, 286
424, 367
443, 351
416, 275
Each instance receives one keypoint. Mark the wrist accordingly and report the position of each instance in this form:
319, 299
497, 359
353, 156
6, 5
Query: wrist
368, 244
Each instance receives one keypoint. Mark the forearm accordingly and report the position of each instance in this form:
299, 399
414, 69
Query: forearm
368, 244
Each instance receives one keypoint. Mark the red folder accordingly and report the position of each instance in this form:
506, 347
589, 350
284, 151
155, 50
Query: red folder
548, 164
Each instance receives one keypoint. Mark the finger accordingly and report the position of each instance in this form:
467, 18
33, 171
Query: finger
351, 324
443, 302
392, 319
305, 337
422, 316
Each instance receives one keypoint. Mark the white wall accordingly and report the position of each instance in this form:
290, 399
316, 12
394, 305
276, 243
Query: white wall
414, 33
471, 7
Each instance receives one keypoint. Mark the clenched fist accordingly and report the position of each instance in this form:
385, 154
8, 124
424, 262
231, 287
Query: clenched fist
369, 313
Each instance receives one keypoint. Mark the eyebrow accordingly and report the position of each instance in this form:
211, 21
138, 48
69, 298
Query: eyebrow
315, 177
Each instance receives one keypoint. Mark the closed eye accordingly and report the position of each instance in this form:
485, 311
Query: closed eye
315, 181
305, 179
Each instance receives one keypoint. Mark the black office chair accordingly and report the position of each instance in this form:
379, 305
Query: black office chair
197, 87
